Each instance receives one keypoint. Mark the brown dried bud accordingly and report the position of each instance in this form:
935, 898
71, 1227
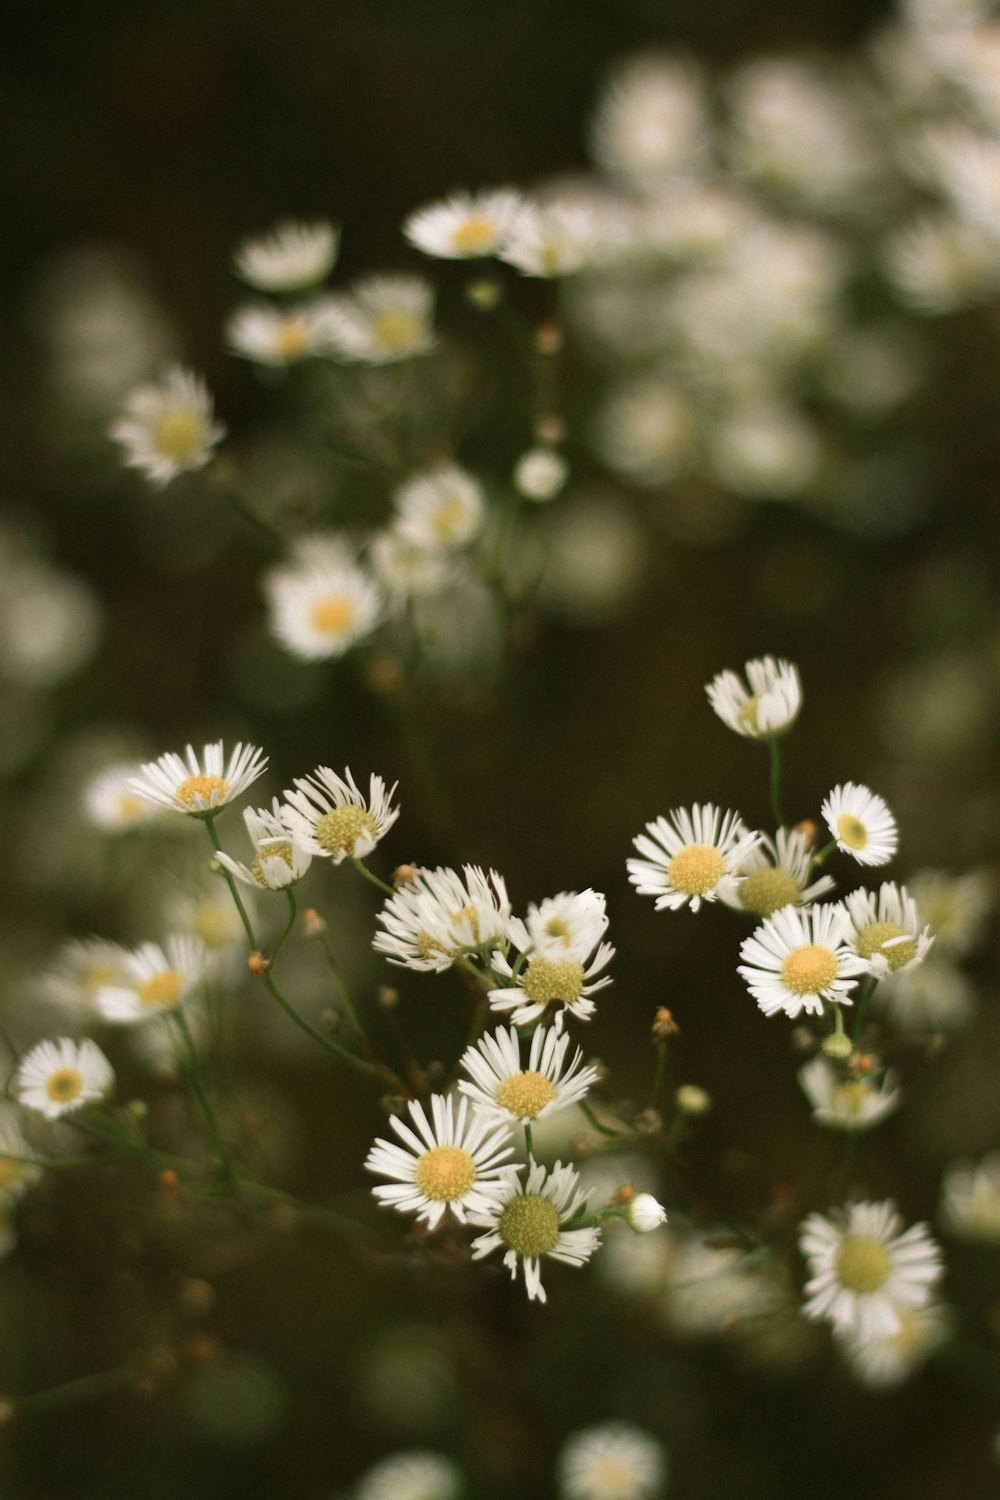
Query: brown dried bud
403, 874
386, 997
550, 429
664, 1025
548, 338
331, 1020
802, 1039
623, 1195
202, 1350
313, 925
861, 1062
258, 964
648, 1121
7, 1410
170, 1182
393, 1104
809, 828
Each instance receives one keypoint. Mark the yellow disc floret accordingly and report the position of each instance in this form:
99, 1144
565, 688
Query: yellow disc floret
397, 332
445, 1173
279, 850
163, 989
809, 969
448, 520
877, 935
766, 891
545, 980
851, 831
333, 615
339, 829
179, 434
526, 1094
529, 1224
747, 715
64, 1085
696, 869
849, 1098
863, 1264
203, 790
292, 339
11, 1173
474, 237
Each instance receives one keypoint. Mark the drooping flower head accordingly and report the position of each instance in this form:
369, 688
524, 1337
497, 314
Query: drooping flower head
847, 1101
168, 428
438, 915
532, 1220
691, 857
279, 860
768, 703
199, 787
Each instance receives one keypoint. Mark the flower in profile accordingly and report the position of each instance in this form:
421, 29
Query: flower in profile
847, 1102
768, 703
864, 1272
465, 226
440, 510
540, 474
886, 931
645, 1213
551, 240
279, 860
436, 916
532, 1220
290, 258
322, 604
199, 787
615, 1461
456, 1161
970, 1199
691, 857
278, 335
412, 1475
883, 1361
562, 952
155, 980
58, 1077
332, 818
504, 1089
110, 802
168, 428
798, 959
776, 874
861, 824
383, 319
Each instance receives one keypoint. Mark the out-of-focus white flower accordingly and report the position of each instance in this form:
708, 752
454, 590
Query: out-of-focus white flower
279, 859
321, 606
693, 220
765, 450
112, 805
290, 258
15, 1176
798, 960
503, 1089
61, 1076
50, 624
647, 429
847, 1103
404, 569
440, 510
381, 320
81, 968
970, 1199
155, 980
540, 473
278, 335
776, 874
331, 818
938, 263
769, 705
712, 1288
466, 225
861, 823
886, 930
168, 428
863, 1271
597, 558
552, 239
883, 1361
456, 1161
935, 996
955, 906
526, 1221
690, 856
614, 1461
199, 787
412, 1475
438, 915
652, 121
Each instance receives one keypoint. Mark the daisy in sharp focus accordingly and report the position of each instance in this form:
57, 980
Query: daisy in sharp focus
886, 931
691, 856
440, 510
527, 1222
199, 787
466, 225
320, 608
614, 1461
768, 705
168, 428
331, 818
381, 320
798, 959
846, 1102
861, 824
436, 916
290, 258
456, 1160
277, 336
155, 980
506, 1089
279, 859
61, 1076
561, 953
776, 874
864, 1271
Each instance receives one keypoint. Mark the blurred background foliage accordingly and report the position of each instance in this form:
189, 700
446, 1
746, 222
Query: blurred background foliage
154, 140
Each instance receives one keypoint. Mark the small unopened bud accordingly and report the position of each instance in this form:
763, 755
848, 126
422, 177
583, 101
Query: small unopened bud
215, 867
664, 1025
550, 429
202, 1350
313, 925
802, 1039
485, 293
623, 1195
645, 1213
331, 1020
648, 1121
809, 828
837, 1045
403, 874
386, 997
137, 1110
170, 1182
692, 1100
861, 1062
258, 964
548, 338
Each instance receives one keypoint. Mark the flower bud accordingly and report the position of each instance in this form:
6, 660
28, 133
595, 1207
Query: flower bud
692, 1100
645, 1213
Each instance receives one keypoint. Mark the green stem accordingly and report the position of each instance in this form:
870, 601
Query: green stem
823, 854
529, 1151
217, 846
772, 741
201, 1092
589, 1115
292, 913
372, 878
382, 1074
47, 1161
864, 999
83, 1388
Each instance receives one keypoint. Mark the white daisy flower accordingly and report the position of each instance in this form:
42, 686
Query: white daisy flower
691, 856
466, 225
883, 1361
861, 824
412, 1475
847, 1102
208, 914
438, 915
955, 906
886, 931
797, 959
383, 319
863, 1271
614, 1461
279, 859
58, 1077
291, 258
767, 704
440, 510
199, 787
569, 925
561, 955
776, 874
278, 335
321, 608
457, 1161
504, 1089
331, 818
111, 804
935, 996
168, 428
970, 1199
404, 569
82, 967
531, 1220
551, 240
645, 1213
15, 1176
540, 474
156, 980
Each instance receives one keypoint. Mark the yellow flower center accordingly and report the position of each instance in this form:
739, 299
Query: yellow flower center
555, 927
214, 923
132, 809
292, 339
873, 938
448, 520
529, 1224
809, 969
747, 715
474, 236
614, 1478
397, 332
851, 831
766, 891
696, 869
468, 914
11, 1173
339, 829
333, 615
163, 989
179, 434
863, 1264
445, 1173
544, 980
64, 1084
203, 790
427, 946
526, 1094
270, 851
96, 975
849, 1098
